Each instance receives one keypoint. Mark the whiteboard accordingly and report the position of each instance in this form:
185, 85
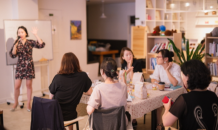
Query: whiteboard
44, 33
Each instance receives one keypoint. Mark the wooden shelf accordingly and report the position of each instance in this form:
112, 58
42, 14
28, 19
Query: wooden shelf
212, 57
151, 70
206, 15
151, 20
206, 24
160, 36
154, 9
152, 54
212, 37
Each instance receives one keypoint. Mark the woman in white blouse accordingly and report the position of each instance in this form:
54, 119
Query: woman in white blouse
168, 72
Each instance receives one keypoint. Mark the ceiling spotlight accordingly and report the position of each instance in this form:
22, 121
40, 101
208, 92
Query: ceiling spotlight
187, 4
172, 5
211, 7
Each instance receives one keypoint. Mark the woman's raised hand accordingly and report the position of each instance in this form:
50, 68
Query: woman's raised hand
169, 66
34, 30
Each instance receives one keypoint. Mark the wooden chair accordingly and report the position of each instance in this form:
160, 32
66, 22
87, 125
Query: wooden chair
75, 121
1, 118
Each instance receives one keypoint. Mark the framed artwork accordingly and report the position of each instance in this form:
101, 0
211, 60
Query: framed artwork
75, 30
149, 4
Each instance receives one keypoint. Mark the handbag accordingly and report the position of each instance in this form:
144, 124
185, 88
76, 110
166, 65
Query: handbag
87, 125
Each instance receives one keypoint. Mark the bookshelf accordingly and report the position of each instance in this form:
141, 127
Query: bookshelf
208, 19
161, 13
150, 42
207, 60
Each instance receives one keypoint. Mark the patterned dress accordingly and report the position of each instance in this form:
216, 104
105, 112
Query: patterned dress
25, 66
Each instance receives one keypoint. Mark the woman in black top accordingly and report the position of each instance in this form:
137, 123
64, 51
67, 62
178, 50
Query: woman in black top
68, 86
197, 109
128, 61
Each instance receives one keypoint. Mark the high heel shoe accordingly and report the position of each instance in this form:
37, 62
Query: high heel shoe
13, 109
29, 110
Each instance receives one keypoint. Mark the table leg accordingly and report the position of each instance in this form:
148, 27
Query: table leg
113, 56
101, 59
153, 120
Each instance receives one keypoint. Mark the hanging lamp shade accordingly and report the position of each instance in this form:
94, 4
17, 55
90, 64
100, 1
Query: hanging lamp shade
103, 15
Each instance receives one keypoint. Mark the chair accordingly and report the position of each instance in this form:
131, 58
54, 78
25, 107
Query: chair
44, 111
75, 121
110, 119
1, 118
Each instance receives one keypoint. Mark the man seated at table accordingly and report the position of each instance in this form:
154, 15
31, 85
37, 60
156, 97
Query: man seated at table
168, 72
68, 86
197, 109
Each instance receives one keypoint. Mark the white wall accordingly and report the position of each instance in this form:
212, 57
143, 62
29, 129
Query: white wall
29, 9
193, 31
69, 10
140, 12
117, 24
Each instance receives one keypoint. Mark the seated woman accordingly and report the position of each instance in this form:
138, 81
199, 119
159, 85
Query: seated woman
168, 72
198, 108
68, 86
128, 61
110, 93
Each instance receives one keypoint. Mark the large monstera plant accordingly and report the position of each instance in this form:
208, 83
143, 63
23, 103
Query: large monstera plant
195, 53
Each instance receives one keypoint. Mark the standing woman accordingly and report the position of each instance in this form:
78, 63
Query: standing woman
25, 68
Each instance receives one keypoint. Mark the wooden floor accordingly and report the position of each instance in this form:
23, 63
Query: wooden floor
20, 119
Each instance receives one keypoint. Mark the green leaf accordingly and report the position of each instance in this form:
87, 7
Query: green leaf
176, 50
190, 56
202, 48
183, 57
196, 52
187, 50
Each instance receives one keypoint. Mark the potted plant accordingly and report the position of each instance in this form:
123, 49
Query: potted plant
190, 55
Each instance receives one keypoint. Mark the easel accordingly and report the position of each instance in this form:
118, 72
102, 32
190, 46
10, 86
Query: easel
36, 64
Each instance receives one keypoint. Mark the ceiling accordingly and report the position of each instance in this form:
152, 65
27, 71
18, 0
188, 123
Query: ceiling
108, 1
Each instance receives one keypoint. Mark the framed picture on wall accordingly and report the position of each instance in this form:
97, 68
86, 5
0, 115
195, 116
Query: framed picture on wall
149, 4
75, 29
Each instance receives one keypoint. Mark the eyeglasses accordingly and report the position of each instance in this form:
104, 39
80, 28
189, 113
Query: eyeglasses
158, 56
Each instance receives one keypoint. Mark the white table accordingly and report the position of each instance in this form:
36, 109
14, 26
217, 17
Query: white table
137, 108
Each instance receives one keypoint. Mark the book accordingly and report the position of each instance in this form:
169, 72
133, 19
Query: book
155, 48
157, 15
166, 45
170, 47
153, 63
149, 4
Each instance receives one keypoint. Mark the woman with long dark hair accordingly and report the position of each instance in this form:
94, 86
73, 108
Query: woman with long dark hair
25, 68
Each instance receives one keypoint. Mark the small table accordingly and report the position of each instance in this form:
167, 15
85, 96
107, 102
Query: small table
102, 53
138, 107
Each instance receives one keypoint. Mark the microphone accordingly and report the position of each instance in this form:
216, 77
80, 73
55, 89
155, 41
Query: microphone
17, 39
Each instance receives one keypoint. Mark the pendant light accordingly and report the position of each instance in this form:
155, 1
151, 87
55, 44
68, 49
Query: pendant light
103, 15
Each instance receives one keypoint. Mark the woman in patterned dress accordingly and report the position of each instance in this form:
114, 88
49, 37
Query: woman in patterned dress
25, 68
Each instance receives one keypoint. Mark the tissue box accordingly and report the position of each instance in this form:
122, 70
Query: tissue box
140, 90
